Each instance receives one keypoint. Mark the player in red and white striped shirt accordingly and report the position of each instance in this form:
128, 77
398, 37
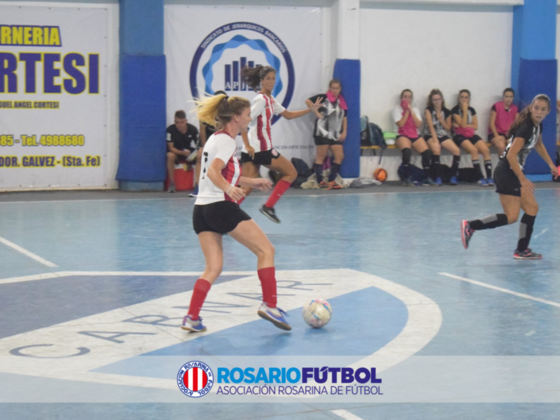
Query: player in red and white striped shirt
257, 143
216, 211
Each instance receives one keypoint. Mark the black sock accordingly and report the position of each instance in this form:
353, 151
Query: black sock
525, 231
488, 167
489, 222
318, 167
335, 169
426, 158
477, 171
436, 163
406, 155
455, 165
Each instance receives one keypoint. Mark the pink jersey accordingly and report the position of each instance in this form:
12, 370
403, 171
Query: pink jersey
409, 128
263, 110
504, 117
219, 146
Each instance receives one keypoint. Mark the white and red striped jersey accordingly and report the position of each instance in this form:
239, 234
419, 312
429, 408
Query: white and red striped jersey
263, 109
219, 146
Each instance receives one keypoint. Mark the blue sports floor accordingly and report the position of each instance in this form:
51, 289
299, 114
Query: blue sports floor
93, 287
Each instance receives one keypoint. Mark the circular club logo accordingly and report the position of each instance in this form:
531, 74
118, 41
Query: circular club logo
195, 379
218, 61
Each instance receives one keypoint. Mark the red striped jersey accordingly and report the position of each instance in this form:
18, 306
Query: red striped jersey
219, 146
263, 109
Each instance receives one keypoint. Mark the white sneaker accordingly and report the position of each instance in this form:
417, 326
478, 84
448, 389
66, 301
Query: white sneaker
274, 315
191, 325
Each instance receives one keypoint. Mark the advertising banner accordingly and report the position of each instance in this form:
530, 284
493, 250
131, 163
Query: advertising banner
53, 102
207, 47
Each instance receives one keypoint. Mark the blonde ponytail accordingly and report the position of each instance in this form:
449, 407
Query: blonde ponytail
217, 110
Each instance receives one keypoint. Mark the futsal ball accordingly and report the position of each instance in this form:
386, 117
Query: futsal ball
380, 174
317, 313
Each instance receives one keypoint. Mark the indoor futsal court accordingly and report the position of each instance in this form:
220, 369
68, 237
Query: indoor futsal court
128, 125
94, 286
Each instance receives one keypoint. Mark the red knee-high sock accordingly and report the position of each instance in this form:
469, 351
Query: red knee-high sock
201, 288
268, 283
278, 192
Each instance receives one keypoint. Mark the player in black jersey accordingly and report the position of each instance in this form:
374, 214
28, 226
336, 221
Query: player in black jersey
516, 191
182, 138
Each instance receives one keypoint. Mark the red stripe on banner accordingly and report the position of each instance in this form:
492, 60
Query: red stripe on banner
204, 379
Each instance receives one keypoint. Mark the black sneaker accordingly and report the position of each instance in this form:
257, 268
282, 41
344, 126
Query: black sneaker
528, 254
270, 213
407, 182
428, 182
466, 233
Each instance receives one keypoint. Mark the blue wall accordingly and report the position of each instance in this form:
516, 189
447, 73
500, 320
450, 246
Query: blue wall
348, 72
534, 69
142, 96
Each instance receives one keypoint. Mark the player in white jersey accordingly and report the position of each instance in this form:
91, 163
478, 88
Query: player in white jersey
216, 211
257, 142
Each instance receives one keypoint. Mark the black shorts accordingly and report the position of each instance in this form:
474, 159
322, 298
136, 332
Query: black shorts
506, 181
440, 139
261, 158
458, 139
491, 136
221, 217
412, 139
323, 141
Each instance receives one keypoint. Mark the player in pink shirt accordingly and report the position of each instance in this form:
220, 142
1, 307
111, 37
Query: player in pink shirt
257, 141
408, 120
502, 117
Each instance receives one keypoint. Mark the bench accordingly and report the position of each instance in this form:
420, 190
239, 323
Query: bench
392, 146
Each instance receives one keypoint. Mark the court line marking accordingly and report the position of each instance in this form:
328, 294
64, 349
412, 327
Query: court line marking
27, 253
346, 415
175, 198
500, 289
424, 321
45, 276
543, 231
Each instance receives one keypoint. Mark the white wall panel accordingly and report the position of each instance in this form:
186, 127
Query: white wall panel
421, 50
